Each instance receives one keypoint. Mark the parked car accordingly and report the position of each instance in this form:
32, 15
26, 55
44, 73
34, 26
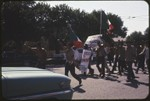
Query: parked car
12, 58
25, 83
57, 59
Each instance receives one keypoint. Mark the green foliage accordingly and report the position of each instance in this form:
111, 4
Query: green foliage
146, 34
18, 22
27, 20
136, 38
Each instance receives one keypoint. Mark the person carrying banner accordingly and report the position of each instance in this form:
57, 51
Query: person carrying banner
77, 57
85, 61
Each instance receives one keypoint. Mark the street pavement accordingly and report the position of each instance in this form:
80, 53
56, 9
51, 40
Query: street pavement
112, 87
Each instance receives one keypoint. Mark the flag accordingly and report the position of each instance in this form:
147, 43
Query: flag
111, 27
77, 43
74, 38
105, 24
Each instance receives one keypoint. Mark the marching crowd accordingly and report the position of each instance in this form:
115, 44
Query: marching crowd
108, 55
108, 58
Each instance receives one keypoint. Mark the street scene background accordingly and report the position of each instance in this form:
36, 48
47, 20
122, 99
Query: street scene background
35, 34
112, 87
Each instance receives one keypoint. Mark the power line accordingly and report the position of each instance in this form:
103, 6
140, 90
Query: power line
132, 17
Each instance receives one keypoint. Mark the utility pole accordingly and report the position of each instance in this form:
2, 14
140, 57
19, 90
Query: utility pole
100, 21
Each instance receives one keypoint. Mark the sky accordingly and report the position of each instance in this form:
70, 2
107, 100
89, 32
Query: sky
134, 14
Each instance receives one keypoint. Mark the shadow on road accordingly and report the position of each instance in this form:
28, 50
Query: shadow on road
78, 89
95, 76
112, 78
136, 83
132, 83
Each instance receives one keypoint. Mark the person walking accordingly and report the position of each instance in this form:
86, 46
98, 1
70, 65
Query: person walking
100, 54
107, 50
41, 55
77, 57
115, 59
70, 64
140, 59
129, 56
145, 51
147, 56
86, 61
111, 55
121, 59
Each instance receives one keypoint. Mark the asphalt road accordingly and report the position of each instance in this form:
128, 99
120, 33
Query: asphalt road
112, 87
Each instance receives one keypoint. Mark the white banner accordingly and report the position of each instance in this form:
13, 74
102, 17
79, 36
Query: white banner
85, 60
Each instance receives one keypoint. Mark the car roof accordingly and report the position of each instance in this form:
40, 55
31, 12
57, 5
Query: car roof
28, 72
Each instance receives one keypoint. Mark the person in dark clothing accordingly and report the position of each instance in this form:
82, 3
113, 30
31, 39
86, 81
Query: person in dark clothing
41, 54
101, 59
121, 59
129, 56
146, 52
140, 60
115, 59
91, 70
111, 55
30, 59
70, 64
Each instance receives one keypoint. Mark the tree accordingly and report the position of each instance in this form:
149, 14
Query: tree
146, 34
29, 21
18, 21
136, 38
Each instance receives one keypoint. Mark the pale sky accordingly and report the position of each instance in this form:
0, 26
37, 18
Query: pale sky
134, 14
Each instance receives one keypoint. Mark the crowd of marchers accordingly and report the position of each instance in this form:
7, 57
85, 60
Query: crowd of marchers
109, 58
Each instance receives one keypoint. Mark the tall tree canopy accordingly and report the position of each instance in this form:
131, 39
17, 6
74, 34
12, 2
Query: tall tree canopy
27, 20
136, 38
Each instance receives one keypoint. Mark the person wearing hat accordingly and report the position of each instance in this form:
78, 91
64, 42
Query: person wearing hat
70, 64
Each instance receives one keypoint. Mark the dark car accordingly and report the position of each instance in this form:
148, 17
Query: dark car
13, 58
57, 59
25, 83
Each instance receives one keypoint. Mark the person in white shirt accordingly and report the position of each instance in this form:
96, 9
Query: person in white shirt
145, 51
77, 57
85, 61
